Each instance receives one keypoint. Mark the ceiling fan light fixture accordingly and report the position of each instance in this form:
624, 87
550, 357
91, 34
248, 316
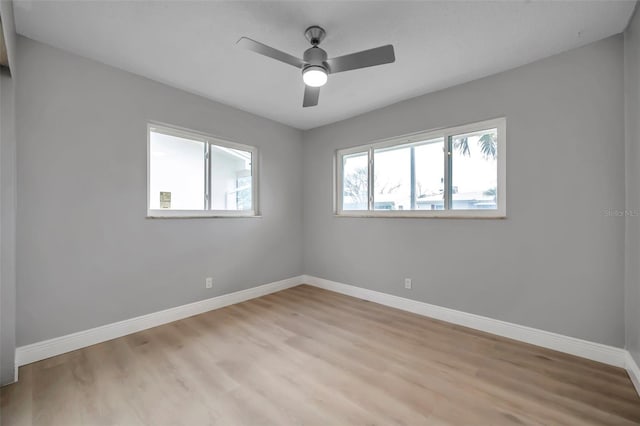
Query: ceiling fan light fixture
314, 76
315, 64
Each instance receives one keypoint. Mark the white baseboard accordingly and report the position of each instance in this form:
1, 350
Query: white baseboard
595, 351
59, 345
634, 371
571, 345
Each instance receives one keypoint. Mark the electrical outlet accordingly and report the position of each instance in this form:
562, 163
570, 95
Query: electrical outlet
407, 283
208, 283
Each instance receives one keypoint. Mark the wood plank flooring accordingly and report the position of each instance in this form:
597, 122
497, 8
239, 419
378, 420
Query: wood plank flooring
313, 357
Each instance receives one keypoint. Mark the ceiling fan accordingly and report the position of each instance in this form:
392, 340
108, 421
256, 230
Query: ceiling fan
315, 65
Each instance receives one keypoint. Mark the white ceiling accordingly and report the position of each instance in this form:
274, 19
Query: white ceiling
191, 45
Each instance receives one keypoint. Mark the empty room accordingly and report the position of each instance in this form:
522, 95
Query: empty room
319, 212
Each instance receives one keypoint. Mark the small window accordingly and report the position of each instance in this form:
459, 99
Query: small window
456, 172
356, 181
195, 175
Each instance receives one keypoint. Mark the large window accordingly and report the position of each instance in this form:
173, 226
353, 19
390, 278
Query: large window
194, 175
455, 172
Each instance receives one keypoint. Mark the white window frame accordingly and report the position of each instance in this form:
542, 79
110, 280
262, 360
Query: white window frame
447, 134
208, 140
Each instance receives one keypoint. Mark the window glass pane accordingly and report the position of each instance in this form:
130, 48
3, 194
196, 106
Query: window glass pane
394, 186
392, 178
230, 179
474, 170
355, 181
176, 173
429, 180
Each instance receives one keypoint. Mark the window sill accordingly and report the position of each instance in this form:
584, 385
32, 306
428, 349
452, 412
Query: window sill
453, 215
205, 217
197, 214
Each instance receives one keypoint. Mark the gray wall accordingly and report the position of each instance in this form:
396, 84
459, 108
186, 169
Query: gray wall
557, 262
7, 228
632, 118
7, 200
86, 254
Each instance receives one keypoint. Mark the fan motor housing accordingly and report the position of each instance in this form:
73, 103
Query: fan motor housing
315, 56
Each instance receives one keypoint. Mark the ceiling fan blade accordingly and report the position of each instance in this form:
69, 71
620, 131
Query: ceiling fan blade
311, 95
366, 58
265, 50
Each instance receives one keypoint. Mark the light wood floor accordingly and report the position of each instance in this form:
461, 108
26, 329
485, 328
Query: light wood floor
309, 356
